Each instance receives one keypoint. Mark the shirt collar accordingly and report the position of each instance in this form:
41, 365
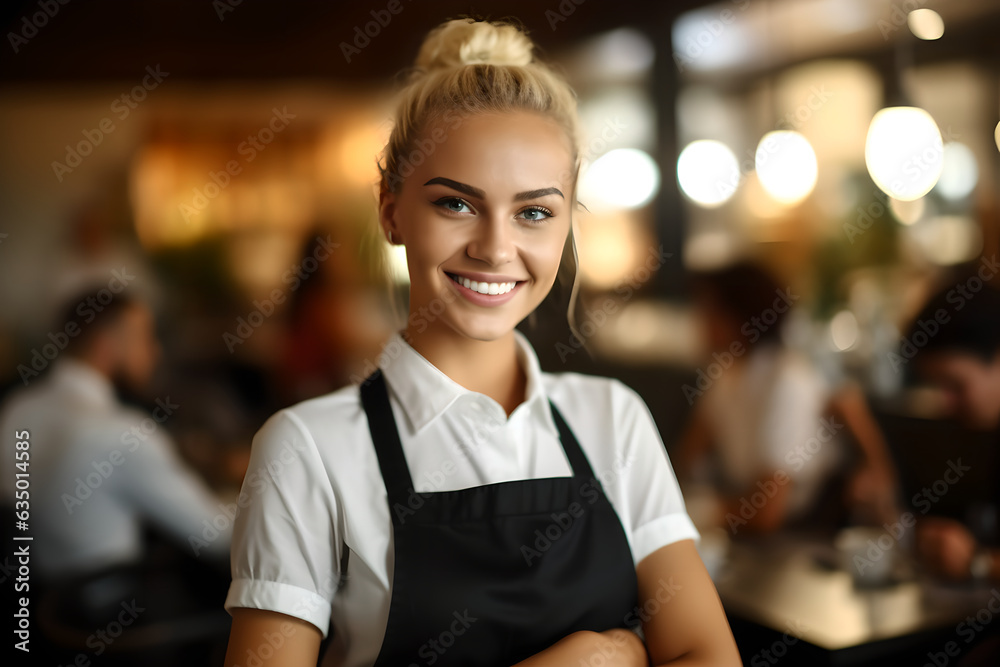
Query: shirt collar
84, 382
425, 393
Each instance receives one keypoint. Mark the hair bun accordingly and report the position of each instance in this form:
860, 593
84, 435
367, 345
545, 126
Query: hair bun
470, 42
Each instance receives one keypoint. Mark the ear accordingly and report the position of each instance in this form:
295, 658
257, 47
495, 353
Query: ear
387, 215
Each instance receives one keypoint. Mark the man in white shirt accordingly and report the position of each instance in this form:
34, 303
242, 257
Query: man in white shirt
99, 470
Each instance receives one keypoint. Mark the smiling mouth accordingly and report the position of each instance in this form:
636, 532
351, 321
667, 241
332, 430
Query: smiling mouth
483, 287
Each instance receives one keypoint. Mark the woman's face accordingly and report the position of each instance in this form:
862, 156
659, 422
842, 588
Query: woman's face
484, 217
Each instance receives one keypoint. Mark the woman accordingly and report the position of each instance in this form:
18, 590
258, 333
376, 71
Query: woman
446, 512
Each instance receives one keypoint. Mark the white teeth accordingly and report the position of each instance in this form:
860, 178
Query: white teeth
483, 287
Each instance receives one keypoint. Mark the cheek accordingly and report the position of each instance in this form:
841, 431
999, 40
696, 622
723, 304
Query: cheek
545, 253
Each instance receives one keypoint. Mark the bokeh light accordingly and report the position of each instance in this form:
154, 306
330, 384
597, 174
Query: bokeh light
622, 179
844, 330
948, 239
907, 212
960, 172
925, 24
708, 172
786, 166
904, 152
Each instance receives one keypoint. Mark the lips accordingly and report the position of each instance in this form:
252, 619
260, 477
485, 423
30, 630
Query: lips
484, 287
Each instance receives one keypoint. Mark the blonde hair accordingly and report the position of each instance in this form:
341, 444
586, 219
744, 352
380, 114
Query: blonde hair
466, 67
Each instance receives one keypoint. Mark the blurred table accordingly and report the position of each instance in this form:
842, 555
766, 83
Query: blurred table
788, 600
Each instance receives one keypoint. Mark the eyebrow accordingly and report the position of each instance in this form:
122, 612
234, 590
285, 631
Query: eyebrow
472, 191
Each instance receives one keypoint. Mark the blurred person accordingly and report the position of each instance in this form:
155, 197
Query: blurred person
508, 547
101, 471
962, 358
333, 321
770, 423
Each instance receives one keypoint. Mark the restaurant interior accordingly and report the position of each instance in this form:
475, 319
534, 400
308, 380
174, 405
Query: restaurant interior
770, 188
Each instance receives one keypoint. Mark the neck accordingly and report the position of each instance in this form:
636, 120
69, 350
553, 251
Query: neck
93, 362
487, 367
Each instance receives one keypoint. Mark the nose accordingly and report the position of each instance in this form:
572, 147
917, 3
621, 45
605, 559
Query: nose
493, 242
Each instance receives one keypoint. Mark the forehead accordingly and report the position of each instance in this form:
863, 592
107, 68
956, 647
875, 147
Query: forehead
498, 152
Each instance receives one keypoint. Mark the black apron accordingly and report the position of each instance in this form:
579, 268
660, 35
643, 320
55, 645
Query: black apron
494, 574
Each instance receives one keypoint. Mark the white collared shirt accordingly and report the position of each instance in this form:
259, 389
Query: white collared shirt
314, 483
99, 470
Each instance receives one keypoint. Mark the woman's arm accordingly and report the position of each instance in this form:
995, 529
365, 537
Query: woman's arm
874, 485
291, 642
742, 517
614, 648
681, 615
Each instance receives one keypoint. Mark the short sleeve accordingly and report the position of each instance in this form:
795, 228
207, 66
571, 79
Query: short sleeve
285, 553
649, 495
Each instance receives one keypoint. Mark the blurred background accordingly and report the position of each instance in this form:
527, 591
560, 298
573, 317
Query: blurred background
220, 158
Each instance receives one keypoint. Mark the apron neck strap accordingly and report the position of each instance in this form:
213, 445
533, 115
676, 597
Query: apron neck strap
382, 424
577, 460
392, 460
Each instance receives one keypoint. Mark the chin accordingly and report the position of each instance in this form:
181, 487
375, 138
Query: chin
483, 331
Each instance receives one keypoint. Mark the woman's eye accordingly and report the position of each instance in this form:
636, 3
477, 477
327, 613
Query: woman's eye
535, 214
454, 204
